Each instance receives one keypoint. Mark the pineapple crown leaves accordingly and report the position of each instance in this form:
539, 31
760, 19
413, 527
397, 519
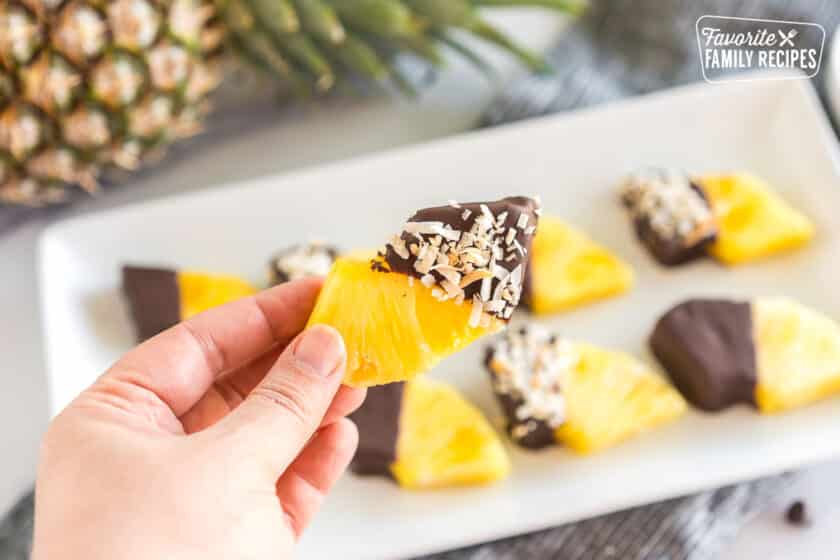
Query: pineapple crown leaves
312, 42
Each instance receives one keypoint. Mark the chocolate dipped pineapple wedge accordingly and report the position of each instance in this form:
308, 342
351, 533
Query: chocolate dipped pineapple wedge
452, 275
772, 353
736, 218
424, 434
159, 298
557, 391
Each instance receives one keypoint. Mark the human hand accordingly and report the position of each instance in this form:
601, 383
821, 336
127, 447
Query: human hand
218, 438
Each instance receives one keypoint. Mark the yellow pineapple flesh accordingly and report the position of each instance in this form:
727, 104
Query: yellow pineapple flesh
611, 396
754, 222
568, 269
200, 291
798, 355
392, 325
445, 441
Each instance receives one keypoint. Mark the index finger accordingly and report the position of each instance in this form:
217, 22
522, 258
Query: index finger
180, 364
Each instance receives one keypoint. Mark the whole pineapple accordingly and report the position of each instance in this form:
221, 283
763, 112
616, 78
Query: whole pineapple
88, 84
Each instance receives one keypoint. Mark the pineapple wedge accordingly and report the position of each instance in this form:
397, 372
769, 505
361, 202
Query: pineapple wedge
754, 222
393, 327
798, 355
453, 274
773, 353
445, 441
554, 390
159, 298
612, 396
569, 269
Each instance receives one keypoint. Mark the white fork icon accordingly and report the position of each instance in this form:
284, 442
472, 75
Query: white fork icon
787, 38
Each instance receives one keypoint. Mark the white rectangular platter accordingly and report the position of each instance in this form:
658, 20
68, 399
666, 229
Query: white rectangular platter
773, 128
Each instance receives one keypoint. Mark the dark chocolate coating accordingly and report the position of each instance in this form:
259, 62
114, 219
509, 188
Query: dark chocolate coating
707, 348
527, 287
672, 251
154, 299
378, 421
514, 205
541, 436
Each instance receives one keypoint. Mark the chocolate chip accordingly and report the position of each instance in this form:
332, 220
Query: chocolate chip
797, 514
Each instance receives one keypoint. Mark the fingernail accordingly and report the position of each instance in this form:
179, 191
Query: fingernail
322, 348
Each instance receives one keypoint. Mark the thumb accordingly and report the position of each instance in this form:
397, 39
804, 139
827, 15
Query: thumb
277, 419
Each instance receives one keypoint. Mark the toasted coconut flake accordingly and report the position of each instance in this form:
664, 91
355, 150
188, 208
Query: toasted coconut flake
449, 273
511, 235
432, 228
488, 214
494, 306
476, 312
531, 366
452, 290
474, 276
399, 247
669, 203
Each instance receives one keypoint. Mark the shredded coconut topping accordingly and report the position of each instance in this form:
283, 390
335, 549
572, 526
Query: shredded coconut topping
465, 263
309, 259
531, 366
665, 199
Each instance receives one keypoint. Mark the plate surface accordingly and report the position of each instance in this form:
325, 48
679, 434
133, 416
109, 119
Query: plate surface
574, 162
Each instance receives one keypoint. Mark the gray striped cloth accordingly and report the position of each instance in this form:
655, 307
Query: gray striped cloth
620, 48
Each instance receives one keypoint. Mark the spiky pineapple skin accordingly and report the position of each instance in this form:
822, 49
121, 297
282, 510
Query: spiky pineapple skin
89, 84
